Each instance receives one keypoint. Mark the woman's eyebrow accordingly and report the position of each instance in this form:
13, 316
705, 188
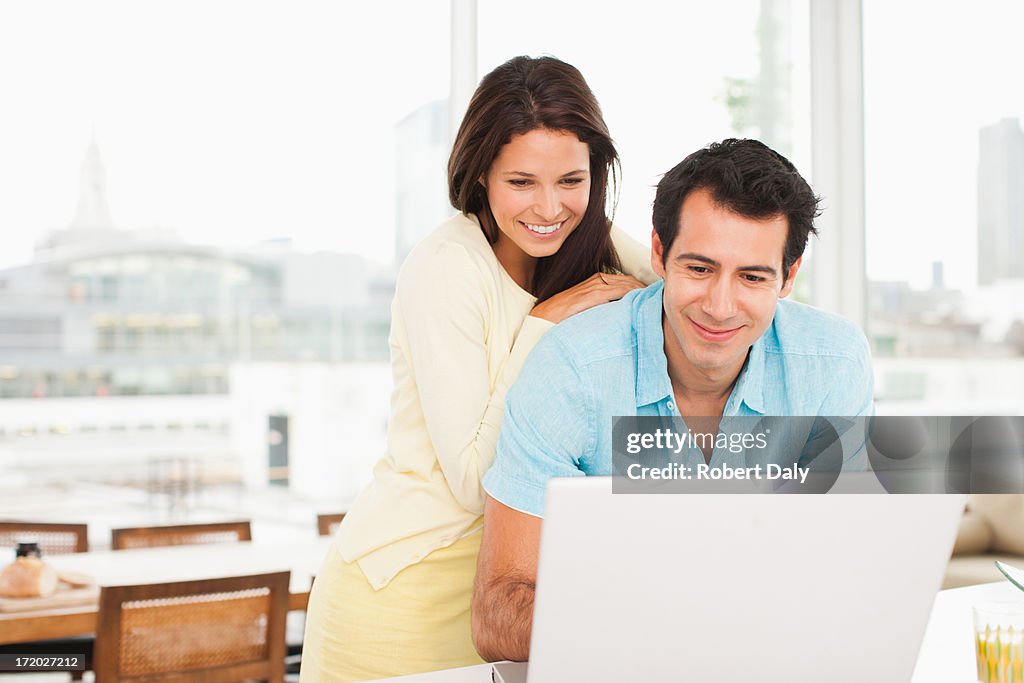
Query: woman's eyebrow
524, 174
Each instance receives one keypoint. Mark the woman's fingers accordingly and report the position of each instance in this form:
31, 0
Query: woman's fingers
626, 280
613, 287
597, 289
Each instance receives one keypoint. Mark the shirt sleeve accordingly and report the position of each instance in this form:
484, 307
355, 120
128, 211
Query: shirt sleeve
546, 432
853, 397
634, 257
443, 303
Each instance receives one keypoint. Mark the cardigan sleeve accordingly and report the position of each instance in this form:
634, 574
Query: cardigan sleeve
444, 304
634, 257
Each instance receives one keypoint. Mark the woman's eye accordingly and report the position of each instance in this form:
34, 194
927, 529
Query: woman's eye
519, 183
572, 181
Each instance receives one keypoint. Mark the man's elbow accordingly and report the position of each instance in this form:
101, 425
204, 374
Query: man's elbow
491, 637
484, 637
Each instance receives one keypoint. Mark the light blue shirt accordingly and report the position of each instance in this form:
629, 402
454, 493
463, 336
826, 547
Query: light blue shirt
610, 361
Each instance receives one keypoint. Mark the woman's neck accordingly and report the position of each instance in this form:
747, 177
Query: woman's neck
517, 263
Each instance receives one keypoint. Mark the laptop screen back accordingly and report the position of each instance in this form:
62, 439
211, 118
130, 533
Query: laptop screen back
735, 587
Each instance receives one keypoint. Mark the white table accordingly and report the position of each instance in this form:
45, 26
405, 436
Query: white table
947, 653
172, 563
480, 673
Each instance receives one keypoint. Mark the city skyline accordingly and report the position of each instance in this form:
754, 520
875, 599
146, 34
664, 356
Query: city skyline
1005, 148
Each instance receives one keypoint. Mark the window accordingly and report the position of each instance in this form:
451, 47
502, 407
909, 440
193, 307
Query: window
944, 170
211, 186
670, 77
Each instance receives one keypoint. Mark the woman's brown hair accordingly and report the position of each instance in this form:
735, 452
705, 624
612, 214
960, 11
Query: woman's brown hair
521, 95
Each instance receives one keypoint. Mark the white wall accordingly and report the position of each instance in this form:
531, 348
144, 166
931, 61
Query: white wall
337, 424
949, 386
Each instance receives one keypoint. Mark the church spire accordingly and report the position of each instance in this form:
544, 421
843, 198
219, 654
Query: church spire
92, 212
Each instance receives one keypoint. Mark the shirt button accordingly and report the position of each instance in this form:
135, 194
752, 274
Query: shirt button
671, 405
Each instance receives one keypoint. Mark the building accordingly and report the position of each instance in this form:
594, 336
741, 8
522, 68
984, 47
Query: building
421, 166
1001, 202
102, 311
130, 358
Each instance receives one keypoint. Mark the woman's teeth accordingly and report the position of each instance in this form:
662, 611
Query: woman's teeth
543, 229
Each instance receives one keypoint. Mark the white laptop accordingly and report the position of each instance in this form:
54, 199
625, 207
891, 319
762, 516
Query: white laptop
717, 587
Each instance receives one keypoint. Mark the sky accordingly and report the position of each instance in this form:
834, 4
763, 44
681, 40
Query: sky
231, 122
235, 122
934, 74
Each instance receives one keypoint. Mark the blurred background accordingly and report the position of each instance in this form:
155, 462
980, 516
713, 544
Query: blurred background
204, 206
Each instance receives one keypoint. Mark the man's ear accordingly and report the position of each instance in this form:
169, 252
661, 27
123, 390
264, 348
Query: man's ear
657, 251
790, 278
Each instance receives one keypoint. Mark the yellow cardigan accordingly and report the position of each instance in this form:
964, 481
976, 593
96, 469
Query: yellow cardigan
460, 332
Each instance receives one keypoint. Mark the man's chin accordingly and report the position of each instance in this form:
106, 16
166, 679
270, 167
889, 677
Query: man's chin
706, 364
714, 359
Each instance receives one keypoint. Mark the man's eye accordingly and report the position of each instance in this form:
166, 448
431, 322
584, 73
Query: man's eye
753, 278
699, 270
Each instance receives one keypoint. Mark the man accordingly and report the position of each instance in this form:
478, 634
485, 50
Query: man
713, 339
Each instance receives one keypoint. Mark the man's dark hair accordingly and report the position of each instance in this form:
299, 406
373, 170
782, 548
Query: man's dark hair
748, 178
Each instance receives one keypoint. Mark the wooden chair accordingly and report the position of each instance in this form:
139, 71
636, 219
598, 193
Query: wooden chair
54, 539
213, 630
328, 523
181, 534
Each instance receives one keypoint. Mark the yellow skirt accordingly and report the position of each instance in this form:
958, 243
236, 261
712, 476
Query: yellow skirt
418, 622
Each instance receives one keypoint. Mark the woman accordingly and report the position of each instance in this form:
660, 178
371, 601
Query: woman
529, 173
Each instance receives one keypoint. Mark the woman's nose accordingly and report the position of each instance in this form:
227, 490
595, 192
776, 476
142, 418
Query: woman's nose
549, 205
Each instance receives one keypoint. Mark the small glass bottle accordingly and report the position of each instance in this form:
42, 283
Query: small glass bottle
28, 549
28, 576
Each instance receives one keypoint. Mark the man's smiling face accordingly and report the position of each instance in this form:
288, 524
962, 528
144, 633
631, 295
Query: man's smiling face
723, 277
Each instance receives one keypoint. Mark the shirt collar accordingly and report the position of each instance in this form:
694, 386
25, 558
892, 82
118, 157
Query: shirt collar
749, 386
652, 382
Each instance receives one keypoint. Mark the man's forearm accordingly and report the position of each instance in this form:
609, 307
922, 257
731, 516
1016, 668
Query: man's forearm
502, 618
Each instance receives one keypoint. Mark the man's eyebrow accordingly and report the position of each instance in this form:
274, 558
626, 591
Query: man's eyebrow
690, 256
758, 269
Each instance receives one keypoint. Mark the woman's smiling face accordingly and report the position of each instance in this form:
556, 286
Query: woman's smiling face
538, 189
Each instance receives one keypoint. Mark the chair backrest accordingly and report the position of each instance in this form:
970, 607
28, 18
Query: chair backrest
180, 534
212, 630
328, 523
54, 539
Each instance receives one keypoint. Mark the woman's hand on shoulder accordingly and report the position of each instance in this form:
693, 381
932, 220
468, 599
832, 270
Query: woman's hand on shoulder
599, 288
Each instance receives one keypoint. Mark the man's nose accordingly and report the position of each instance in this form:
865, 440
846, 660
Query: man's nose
720, 299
